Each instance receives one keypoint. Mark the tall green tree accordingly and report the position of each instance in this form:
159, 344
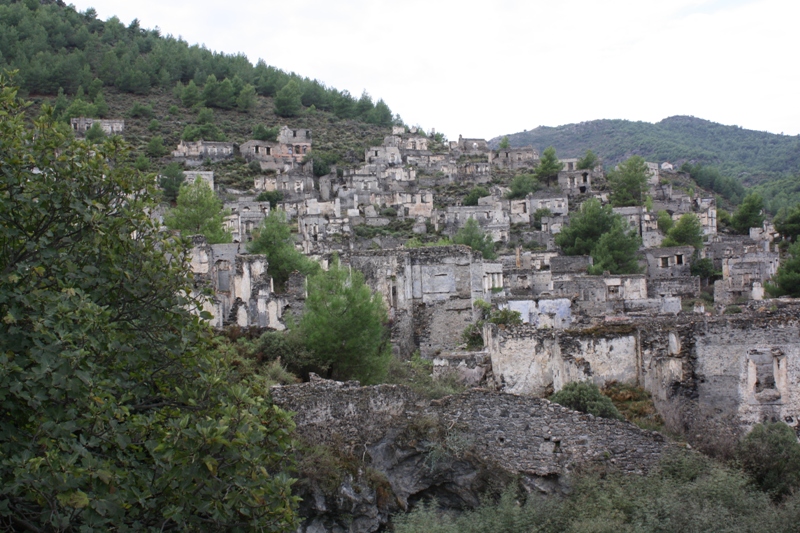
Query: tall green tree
473, 236
588, 161
170, 181
629, 182
786, 282
522, 185
549, 166
597, 231
616, 251
246, 100
749, 214
288, 100
116, 414
345, 325
198, 212
585, 228
665, 222
504, 143
274, 239
789, 224
688, 231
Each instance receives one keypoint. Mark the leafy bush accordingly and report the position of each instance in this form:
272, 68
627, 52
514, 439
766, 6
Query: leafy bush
273, 197
141, 111
473, 195
522, 185
686, 494
389, 212
770, 454
585, 397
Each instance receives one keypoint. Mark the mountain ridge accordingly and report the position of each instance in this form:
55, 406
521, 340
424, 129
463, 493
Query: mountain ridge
749, 155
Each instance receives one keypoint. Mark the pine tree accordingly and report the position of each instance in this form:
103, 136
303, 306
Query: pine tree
549, 166
287, 101
629, 182
198, 212
344, 325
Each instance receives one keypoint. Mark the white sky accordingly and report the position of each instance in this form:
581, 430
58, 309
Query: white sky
483, 69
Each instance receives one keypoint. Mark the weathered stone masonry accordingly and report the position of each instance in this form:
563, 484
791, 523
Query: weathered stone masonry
745, 367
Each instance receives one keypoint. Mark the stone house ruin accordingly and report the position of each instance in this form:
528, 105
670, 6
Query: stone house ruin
81, 125
190, 176
556, 202
575, 182
493, 219
739, 367
514, 158
672, 262
202, 150
242, 290
246, 216
298, 139
430, 292
470, 146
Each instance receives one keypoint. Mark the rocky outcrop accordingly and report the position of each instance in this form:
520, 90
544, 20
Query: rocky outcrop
395, 447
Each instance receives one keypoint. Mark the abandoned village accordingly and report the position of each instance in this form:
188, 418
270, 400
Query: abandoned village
733, 357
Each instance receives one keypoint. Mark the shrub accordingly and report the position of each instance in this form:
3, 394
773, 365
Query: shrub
472, 196
770, 454
273, 197
585, 397
141, 111
389, 212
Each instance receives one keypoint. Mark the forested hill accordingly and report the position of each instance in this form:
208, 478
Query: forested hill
751, 156
54, 47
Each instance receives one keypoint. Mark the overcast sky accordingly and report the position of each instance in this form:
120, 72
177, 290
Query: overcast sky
482, 69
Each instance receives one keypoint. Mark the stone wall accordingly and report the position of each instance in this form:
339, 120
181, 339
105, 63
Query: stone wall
453, 448
745, 367
429, 292
686, 286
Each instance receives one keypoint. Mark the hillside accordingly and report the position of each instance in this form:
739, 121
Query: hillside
751, 156
160, 85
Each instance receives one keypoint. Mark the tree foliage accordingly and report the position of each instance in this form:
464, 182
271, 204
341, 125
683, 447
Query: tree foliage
770, 454
344, 325
170, 181
665, 221
749, 214
549, 166
585, 228
55, 46
287, 101
522, 185
588, 161
585, 397
789, 223
473, 236
273, 238
786, 281
198, 212
616, 251
115, 413
629, 182
597, 231
688, 231
474, 195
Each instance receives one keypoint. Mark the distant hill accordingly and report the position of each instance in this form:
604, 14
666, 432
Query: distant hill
751, 156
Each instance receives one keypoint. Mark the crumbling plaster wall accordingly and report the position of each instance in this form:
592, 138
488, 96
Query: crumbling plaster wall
746, 368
